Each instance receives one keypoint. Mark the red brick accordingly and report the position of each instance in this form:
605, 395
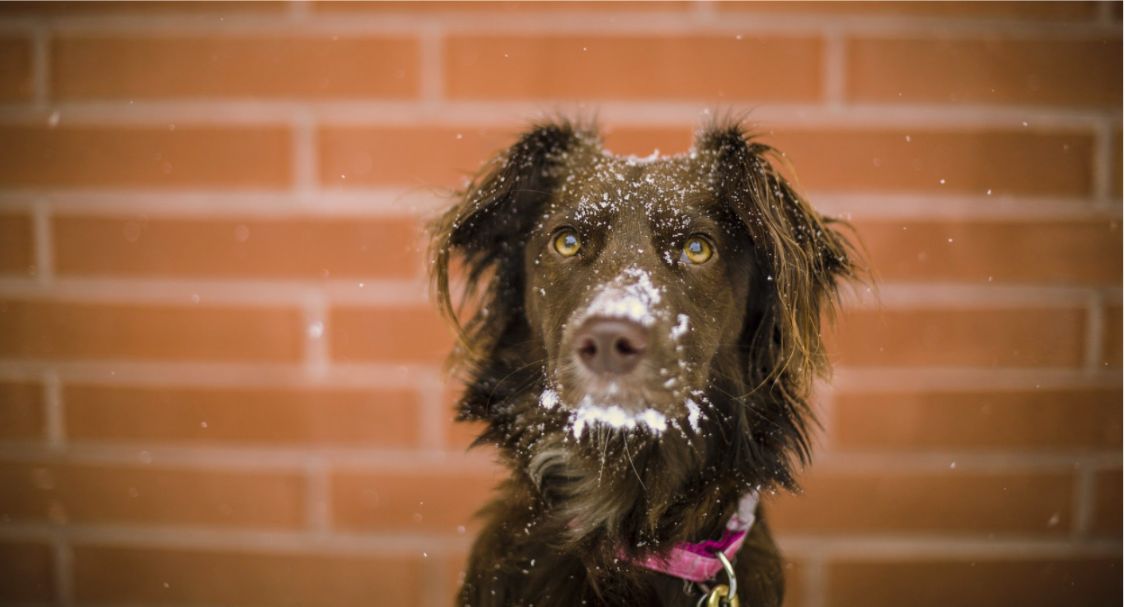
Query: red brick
72, 330
216, 66
1035, 71
765, 68
974, 582
112, 574
1107, 503
1111, 342
81, 493
15, 69
941, 162
940, 502
882, 160
1018, 337
418, 500
95, 8
642, 141
239, 247
26, 573
973, 420
457, 7
17, 255
826, 159
424, 158
1055, 252
268, 416
22, 413
972, 9
391, 334
174, 156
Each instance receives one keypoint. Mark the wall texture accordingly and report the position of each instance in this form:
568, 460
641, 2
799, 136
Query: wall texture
220, 377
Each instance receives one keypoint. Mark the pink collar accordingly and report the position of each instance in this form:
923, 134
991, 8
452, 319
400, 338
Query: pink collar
696, 561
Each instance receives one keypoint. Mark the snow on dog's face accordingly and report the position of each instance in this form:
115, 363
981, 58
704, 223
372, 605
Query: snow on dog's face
676, 300
636, 286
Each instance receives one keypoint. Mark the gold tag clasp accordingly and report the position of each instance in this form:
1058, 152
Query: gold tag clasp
720, 597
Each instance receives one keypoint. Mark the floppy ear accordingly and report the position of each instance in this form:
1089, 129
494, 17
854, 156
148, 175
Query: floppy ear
486, 231
803, 259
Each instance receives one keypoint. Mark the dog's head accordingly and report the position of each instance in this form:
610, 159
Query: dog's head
658, 300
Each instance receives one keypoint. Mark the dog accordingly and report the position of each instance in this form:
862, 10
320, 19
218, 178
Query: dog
639, 336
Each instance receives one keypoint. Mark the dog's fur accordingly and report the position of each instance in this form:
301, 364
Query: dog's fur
584, 495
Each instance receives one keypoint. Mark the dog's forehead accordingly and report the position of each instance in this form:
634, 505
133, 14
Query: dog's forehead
662, 188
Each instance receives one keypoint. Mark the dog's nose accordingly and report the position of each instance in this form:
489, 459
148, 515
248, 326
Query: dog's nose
610, 345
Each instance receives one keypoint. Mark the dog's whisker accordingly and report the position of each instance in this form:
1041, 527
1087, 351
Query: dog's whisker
625, 446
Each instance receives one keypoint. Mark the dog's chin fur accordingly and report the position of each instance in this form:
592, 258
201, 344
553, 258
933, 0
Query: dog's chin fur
579, 506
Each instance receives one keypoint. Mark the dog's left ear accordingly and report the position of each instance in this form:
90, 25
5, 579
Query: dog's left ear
486, 231
803, 258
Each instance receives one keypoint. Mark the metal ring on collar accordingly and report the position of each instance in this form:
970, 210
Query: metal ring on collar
722, 595
731, 579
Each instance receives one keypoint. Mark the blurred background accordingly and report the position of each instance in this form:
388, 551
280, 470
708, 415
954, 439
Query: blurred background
220, 371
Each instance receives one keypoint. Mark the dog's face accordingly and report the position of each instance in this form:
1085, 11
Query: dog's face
636, 287
665, 301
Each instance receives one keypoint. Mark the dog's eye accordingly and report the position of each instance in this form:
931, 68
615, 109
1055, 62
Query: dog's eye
567, 243
697, 250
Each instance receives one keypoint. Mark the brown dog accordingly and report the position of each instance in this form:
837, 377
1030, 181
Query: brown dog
643, 341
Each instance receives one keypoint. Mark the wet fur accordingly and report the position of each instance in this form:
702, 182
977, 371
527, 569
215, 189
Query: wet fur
556, 530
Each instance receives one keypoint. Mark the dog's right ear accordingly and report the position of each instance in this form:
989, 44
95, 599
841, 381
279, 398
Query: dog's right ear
486, 231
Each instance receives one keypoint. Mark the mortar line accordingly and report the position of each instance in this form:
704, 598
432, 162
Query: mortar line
1095, 329
250, 293
318, 496
218, 538
44, 242
299, 11
927, 547
374, 374
362, 375
317, 358
304, 155
937, 461
54, 410
241, 457
826, 412
40, 65
1105, 12
244, 458
534, 24
1083, 501
901, 545
704, 12
816, 581
303, 293
834, 69
435, 591
513, 114
63, 562
392, 202
1101, 164
432, 434
431, 66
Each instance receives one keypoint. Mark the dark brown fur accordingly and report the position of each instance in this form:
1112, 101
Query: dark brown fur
577, 501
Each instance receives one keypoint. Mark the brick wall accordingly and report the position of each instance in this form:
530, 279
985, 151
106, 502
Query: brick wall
220, 376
